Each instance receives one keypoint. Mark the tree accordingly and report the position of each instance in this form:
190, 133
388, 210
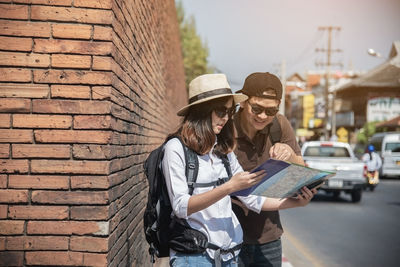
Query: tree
366, 132
195, 51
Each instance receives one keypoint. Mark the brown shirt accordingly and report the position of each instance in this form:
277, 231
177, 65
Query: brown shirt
266, 226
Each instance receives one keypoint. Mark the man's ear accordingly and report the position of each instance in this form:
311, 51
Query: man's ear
242, 104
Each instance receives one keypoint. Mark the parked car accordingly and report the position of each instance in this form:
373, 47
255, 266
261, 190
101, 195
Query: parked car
336, 157
390, 155
387, 145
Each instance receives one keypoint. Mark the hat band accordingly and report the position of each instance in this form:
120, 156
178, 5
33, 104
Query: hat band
209, 94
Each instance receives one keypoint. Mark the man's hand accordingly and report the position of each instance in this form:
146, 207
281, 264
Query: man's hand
281, 151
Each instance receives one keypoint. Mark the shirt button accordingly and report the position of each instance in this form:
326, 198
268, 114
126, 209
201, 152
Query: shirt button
254, 147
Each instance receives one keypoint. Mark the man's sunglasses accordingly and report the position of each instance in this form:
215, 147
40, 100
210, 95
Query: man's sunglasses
270, 111
222, 111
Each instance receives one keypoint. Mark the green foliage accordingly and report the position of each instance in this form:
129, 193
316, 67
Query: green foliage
195, 51
366, 132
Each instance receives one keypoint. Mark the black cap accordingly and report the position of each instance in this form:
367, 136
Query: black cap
259, 82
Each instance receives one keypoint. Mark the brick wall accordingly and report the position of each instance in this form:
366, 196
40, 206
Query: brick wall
87, 89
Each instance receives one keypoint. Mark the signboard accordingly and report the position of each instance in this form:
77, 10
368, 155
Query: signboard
345, 118
383, 108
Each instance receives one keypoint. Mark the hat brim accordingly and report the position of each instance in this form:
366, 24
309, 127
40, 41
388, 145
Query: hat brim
237, 98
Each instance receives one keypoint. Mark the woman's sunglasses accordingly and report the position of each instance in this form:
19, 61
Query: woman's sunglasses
222, 111
270, 111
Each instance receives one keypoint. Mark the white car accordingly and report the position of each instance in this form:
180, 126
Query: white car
336, 157
390, 155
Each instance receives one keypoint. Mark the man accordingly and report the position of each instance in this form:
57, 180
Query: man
373, 163
262, 232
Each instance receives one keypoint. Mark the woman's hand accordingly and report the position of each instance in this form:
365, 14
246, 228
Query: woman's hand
245, 180
305, 196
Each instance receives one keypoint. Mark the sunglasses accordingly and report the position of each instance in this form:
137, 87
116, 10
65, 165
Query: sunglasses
270, 111
222, 111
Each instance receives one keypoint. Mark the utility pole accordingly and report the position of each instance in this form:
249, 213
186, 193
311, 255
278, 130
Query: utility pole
329, 107
283, 80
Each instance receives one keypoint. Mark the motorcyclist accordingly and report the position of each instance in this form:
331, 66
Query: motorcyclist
372, 164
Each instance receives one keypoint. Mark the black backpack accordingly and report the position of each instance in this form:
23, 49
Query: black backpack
157, 216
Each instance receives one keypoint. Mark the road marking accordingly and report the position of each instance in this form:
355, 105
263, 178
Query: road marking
285, 262
303, 249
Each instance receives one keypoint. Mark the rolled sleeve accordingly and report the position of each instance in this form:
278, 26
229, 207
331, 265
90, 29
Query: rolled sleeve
253, 202
173, 166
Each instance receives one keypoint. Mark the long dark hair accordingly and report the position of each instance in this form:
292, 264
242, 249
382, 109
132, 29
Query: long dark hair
196, 129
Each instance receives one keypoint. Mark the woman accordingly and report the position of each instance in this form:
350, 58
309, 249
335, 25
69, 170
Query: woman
207, 129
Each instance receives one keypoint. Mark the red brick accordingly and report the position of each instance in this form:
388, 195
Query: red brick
72, 198
70, 106
11, 258
72, 77
95, 259
89, 213
86, 182
92, 122
91, 151
89, 244
72, 46
46, 2
72, 31
68, 136
24, 28
38, 182
24, 90
70, 167
102, 63
38, 212
5, 120
2, 244
24, 60
15, 105
37, 243
15, 136
102, 33
13, 196
41, 121
15, 75
11, 227
63, 258
103, 4
41, 151
80, 15
4, 151
3, 181
16, 44
13, 11
101, 92
67, 228
71, 61
13, 166
70, 91
3, 212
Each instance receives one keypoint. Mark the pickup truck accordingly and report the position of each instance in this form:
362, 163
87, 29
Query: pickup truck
336, 157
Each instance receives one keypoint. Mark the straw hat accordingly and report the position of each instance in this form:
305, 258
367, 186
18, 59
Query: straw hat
208, 87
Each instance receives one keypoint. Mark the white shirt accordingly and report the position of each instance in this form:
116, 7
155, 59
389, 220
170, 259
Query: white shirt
218, 222
372, 164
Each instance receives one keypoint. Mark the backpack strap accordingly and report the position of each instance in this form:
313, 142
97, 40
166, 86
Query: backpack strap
192, 169
192, 166
275, 131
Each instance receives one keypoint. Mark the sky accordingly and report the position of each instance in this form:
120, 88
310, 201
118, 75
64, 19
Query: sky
281, 36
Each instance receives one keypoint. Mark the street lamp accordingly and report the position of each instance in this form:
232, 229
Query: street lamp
373, 53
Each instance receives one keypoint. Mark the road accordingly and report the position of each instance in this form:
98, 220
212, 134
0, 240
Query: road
336, 232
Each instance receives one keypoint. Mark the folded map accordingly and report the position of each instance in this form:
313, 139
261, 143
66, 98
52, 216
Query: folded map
284, 179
